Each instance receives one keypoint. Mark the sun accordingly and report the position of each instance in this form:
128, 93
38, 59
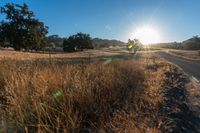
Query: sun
147, 35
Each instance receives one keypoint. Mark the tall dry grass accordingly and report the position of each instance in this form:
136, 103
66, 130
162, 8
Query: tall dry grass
118, 97
19, 55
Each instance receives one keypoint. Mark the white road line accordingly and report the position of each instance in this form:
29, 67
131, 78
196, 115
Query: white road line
195, 79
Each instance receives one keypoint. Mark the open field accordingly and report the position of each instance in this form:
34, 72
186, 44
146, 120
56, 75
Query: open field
111, 66
144, 95
16, 55
191, 54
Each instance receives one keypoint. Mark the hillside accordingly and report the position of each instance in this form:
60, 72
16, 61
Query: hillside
102, 43
189, 44
57, 40
97, 42
192, 43
171, 45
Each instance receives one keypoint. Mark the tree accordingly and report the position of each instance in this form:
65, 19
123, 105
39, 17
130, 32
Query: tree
68, 46
83, 41
134, 45
21, 29
77, 42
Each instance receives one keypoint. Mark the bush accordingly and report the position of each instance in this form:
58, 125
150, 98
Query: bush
77, 42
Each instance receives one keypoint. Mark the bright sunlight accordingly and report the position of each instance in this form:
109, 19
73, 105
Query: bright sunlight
147, 35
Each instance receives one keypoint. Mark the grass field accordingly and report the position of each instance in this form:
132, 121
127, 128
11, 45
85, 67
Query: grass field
16, 55
191, 54
143, 95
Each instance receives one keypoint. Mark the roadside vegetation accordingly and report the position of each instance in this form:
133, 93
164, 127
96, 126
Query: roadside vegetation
121, 96
186, 53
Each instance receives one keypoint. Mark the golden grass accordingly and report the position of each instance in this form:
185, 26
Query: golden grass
90, 94
123, 96
186, 53
17, 55
194, 92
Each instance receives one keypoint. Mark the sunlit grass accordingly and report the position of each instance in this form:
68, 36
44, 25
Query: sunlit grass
119, 96
40, 97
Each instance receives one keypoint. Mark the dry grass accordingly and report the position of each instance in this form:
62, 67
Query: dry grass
186, 53
123, 96
91, 94
16, 55
194, 96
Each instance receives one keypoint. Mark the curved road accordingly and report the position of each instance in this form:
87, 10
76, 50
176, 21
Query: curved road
191, 67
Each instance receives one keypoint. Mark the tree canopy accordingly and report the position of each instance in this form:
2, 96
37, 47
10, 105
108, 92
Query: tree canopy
20, 29
77, 42
134, 45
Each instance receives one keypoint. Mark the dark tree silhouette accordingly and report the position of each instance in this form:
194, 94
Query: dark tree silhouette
78, 42
21, 29
134, 45
68, 46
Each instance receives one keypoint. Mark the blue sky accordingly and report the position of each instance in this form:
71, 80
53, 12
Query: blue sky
175, 20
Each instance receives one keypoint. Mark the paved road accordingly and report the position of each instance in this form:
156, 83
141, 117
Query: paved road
191, 67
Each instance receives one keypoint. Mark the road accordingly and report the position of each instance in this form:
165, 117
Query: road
191, 67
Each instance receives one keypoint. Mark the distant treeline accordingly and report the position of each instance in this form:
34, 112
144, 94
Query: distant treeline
190, 44
104, 43
97, 43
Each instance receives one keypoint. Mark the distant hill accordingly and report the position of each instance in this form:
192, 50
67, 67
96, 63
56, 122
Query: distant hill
190, 44
103, 43
171, 45
58, 41
97, 42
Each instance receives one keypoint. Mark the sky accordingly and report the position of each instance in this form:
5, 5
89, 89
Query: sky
174, 20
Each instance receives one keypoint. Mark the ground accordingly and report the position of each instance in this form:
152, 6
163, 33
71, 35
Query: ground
106, 90
190, 54
189, 66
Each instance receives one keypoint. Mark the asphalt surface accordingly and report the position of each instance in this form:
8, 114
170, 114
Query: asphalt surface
191, 67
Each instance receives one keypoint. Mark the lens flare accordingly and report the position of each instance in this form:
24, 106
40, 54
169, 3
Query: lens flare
147, 35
